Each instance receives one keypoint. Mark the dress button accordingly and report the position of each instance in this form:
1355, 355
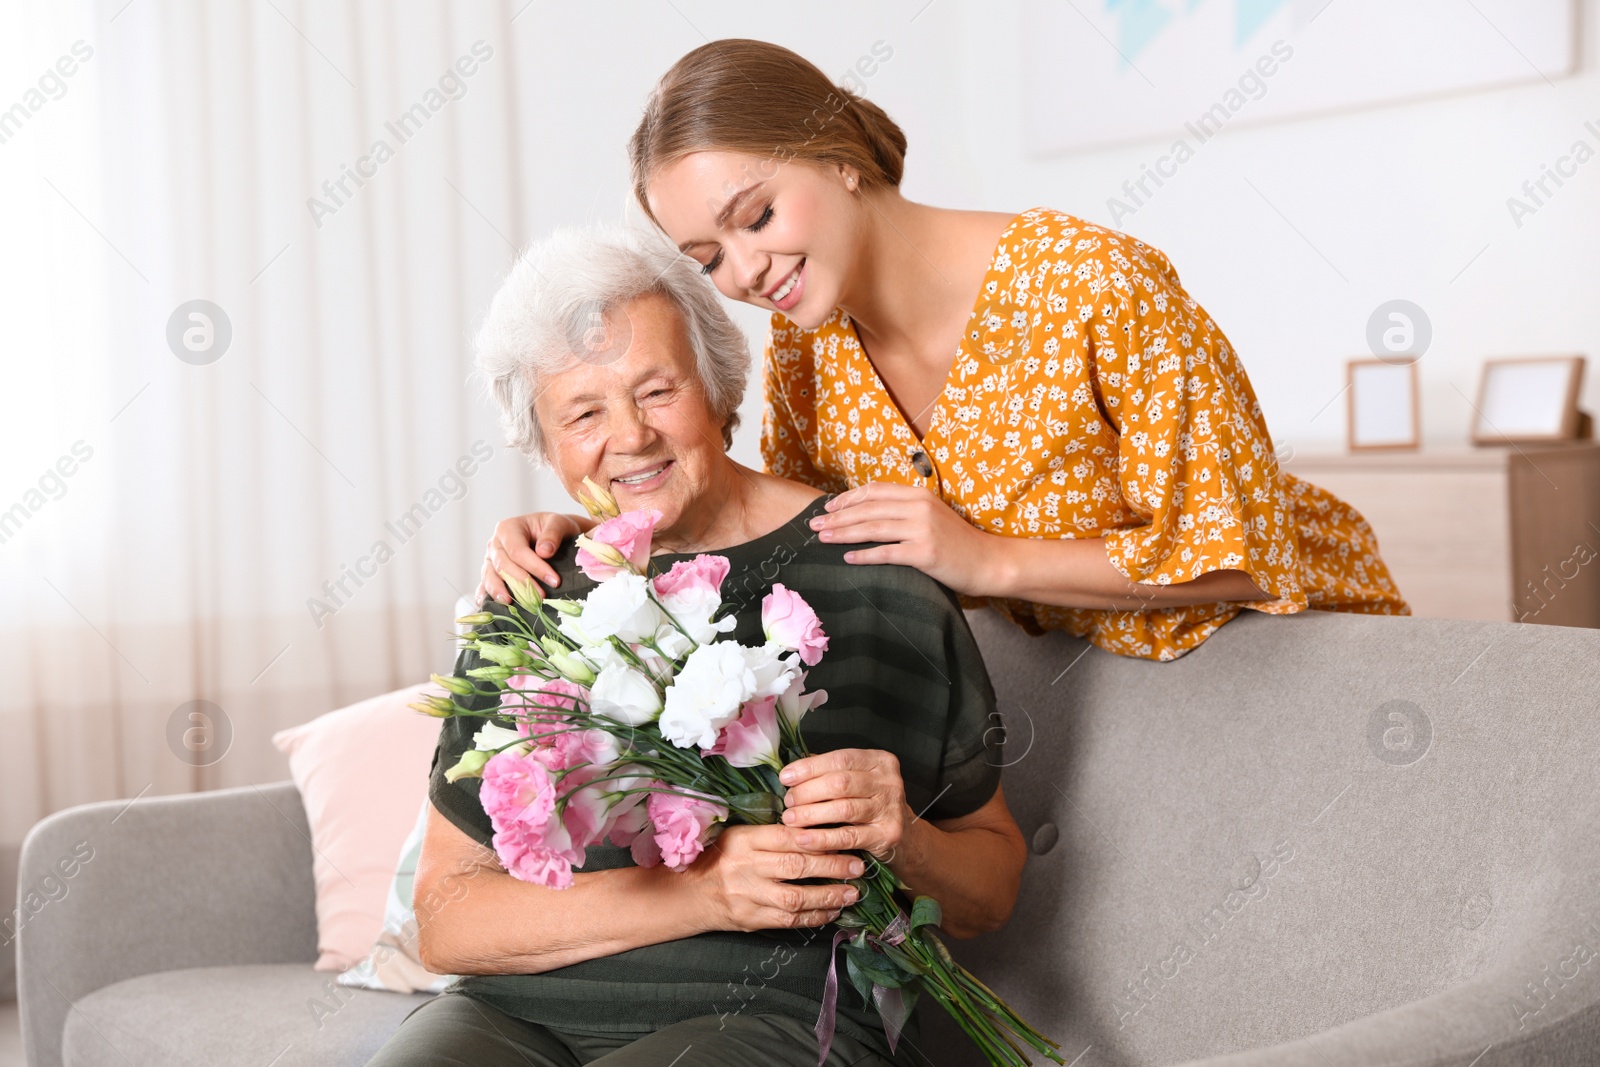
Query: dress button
920, 460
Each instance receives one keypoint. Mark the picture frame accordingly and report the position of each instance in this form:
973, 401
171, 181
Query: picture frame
1384, 406
1528, 400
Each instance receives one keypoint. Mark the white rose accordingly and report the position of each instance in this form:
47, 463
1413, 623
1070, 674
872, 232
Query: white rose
623, 694
706, 694
620, 607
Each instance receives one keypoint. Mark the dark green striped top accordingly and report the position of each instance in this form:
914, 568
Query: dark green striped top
902, 674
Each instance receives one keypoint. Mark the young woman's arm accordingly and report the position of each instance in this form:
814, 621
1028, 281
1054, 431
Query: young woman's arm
922, 531
519, 547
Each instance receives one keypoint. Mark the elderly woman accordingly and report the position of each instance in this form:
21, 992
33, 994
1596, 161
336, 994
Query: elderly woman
612, 359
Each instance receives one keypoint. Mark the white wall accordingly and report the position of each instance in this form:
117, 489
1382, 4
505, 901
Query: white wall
1399, 198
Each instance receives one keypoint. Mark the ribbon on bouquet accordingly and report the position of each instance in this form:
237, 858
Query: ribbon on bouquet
891, 1004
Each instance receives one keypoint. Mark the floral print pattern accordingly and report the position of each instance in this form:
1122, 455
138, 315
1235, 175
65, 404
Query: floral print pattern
1090, 397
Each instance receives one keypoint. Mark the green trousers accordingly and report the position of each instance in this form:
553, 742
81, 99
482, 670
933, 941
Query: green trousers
453, 1030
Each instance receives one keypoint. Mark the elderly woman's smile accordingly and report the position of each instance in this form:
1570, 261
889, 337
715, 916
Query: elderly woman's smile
640, 424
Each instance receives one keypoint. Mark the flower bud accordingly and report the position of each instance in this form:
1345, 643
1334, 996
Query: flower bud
526, 594
438, 707
598, 501
470, 765
459, 686
477, 618
502, 655
566, 607
606, 554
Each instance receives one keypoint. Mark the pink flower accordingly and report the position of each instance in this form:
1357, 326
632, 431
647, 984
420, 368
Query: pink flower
517, 790
752, 738
683, 826
628, 533
631, 829
702, 572
519, 795
562, 742
788, 620
538, 857
588, 810
550, 692
545, 702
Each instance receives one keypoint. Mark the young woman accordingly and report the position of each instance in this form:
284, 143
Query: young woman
1028, 408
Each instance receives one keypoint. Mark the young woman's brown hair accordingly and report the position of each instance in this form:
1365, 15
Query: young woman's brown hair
760, 98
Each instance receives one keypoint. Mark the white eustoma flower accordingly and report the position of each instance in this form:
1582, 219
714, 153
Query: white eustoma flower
490, 737
692, 607
622, 693
795, 701
620, 607
569, 625
706, 694
772, 669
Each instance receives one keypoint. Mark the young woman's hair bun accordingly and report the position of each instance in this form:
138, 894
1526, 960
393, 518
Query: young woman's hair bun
762, 99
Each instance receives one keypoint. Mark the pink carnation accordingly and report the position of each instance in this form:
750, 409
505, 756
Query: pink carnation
788, 620
628, 533
703, 571
683, 826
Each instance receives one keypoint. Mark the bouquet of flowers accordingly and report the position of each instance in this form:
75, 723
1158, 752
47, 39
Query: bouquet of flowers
635, 722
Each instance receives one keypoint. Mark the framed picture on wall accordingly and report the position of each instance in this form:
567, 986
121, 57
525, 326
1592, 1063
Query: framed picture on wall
1529, 400
1384, 407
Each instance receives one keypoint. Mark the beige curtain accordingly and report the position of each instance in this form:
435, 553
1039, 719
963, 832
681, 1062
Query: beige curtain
281, 524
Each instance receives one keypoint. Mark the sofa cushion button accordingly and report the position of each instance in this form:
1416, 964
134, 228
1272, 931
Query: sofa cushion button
1044, 838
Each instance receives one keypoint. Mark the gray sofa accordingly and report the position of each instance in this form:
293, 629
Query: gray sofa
1318, 840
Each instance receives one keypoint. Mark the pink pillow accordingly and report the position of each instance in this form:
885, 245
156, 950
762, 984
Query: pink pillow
362, 772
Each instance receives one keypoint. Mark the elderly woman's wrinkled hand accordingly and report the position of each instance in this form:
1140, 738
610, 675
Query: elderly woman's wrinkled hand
518, 549
847, 799
749, 871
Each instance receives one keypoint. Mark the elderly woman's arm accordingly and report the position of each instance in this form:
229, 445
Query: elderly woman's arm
854, 798
474, 918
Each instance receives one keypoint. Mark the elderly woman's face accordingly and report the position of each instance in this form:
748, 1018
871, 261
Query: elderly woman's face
640, 424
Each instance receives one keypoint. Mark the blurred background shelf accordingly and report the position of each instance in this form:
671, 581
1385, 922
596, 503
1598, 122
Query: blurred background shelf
1480, 533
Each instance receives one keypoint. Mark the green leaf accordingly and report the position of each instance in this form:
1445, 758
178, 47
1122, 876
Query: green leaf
862, 983
757, 807
875, 966
925, 911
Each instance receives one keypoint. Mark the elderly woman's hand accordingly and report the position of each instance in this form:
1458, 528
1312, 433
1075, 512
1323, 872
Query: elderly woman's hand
749, 870
518, 549
857, 792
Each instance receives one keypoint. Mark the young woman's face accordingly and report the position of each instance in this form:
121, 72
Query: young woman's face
781, 236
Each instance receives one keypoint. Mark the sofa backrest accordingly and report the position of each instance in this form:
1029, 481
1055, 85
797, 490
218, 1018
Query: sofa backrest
1308, 820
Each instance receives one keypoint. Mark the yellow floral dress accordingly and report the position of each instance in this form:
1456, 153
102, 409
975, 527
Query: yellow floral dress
1091, 397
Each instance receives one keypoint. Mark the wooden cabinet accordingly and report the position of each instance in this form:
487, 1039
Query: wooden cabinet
1487, 533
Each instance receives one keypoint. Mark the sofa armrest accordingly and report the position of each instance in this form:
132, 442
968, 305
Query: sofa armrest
114, 890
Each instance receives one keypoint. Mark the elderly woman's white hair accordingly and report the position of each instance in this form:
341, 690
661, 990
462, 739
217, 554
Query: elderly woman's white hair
542, 317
